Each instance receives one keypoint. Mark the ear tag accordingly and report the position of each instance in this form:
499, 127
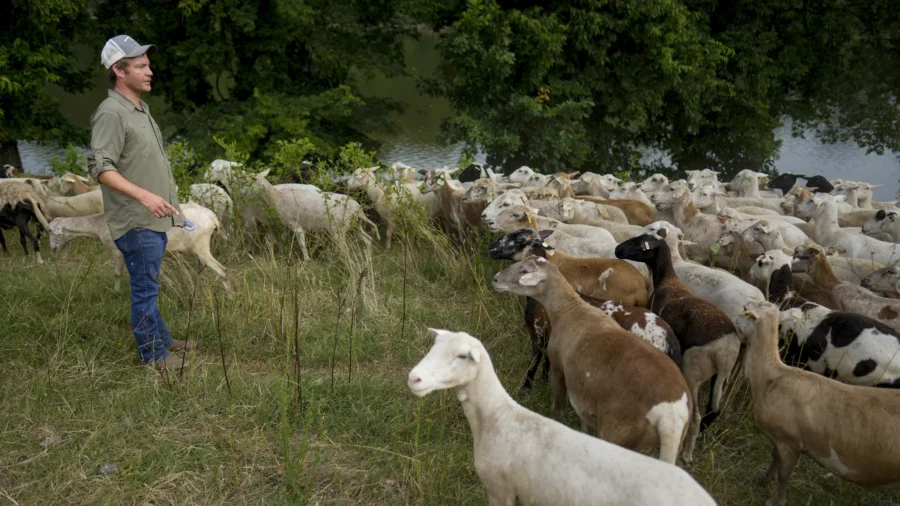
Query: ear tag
645, 246
545, 245
525, 277
530, 219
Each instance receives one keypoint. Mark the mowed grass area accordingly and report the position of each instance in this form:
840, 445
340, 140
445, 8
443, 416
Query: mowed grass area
73, 398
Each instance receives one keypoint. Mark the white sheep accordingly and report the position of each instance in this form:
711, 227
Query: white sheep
76, 205
212, 197
305, 208
524, 458
774, 234
195, 242
823, 209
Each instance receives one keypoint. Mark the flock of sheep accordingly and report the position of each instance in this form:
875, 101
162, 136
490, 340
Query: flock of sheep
637, 295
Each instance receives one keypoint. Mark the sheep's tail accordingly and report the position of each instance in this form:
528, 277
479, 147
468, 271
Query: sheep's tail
217, 225
711, 413
364, 218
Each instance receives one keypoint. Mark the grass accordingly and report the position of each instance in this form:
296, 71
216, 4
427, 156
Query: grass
73, 398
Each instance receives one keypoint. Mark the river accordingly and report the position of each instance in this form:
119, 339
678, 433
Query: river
416, 140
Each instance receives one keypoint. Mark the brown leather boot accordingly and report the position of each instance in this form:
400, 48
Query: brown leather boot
171, 363
178, 345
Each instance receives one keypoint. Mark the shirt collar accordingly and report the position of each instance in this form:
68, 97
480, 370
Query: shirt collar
128, 104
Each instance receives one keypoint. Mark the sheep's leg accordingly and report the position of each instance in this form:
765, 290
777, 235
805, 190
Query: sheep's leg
558, 392
203, 253
301, 237
772, 472
726, 358
697, 367
538, 341
787, 460
22, 223
500, 496
3, 243
388, 234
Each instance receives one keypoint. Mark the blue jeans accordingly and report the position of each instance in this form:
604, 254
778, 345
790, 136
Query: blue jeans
143, 251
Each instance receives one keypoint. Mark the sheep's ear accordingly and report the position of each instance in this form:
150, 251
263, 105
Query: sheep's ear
755, 256
436, 333
874, 186
840, 198
532, 278
545, 233
475, 355
263, 173
662, 233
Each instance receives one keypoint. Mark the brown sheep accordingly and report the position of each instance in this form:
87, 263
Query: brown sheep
624, 387
637, 212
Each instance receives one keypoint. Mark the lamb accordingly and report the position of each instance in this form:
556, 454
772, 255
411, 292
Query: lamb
214, 198
846, 429
77, 205
518, 453
599, 280
883, 222
885, 280
517, 217
638, 407
854, 298
709, 345
196, 242
72, 184
822, 208
306, 208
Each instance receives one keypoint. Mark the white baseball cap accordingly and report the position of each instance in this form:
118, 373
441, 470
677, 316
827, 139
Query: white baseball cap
121, 46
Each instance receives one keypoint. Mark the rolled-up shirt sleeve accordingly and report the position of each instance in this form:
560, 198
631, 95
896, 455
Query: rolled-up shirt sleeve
107, 143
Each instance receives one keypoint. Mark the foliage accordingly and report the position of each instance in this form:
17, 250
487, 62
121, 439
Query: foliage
36, 49
590, 84
186, 167
291, 155
74, 161
268, 71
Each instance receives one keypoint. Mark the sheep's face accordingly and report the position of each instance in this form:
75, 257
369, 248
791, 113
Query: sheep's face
536, 181
669, 195
758, 317
58, 236
508, 199
705, 196
811, 207
513, 218
452, 362
769, 262
361, 178
804, 256
698, 178
481, 190
761, 230
886, 280
521, 175
654, 183
567, 209
434, 179
526, 277
517, 245
643, 248
874, 224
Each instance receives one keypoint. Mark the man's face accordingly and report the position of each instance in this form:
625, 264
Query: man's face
137, 74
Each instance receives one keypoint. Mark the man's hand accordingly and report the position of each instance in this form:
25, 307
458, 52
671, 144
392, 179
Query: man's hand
157, 205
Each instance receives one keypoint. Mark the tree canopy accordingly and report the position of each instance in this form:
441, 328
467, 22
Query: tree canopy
589, 84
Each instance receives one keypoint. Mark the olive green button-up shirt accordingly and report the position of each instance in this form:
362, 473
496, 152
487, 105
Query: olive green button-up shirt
126, 139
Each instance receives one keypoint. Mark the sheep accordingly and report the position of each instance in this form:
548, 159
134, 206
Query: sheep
77, 205
306, 208
822, 208
637, 212
709, 345
698, 178
25, 191
474, 171
748, 184
775, 235
740, 203
596, 185
733, 249
630, 191
586, 213
784, 182
517, 217
195, 242
848, 430
702, 230
885, 280
598, 280
401, 173
72, 184
654, 183
385, 197
865, 193
451, 193
519, 454
214, 198
505, 200
720, 288
850, 270
883, 222
8, 171
18, 215
773, 268
638, 407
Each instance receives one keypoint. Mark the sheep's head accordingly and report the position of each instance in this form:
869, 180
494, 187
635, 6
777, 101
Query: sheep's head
434, 179
789, 319
874, 224
402, 172
482, 190
58, 236
513, 218
672, 235
527, 277
763, 231
669, 195
654, 183
759, 319
805, 255
519, 245
698, 178
361, 178
452, 362
643, 248
705, 196
521, 175
769, 262
567, 209
507, 199
885, 280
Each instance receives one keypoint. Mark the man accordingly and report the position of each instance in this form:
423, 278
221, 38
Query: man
140, 199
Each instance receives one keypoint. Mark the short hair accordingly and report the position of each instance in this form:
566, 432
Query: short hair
121, 65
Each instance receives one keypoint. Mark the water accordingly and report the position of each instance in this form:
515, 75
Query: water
415, 142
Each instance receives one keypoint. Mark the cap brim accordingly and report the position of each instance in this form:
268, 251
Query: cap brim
140, 50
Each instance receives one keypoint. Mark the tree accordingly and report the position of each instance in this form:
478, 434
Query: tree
590, 84
269, 70
37, 40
